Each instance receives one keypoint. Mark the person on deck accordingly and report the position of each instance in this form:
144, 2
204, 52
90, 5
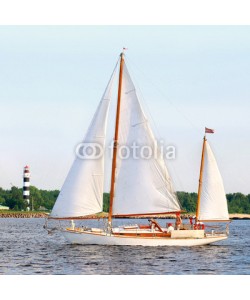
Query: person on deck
170, 228
192, 221
178, 221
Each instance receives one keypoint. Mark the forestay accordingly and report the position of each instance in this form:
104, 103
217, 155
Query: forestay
142, 184
213, 202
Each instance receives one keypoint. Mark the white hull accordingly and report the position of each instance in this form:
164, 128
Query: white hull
90, 238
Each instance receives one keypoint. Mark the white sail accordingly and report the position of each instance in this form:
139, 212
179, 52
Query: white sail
142, 185
213, 202
82, 191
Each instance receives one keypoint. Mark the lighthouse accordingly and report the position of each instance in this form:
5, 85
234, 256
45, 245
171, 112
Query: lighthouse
26, 185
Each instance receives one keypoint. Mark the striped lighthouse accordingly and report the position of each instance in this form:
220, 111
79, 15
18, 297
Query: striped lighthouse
26, 185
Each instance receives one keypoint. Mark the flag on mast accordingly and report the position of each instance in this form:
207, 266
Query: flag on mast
208, 130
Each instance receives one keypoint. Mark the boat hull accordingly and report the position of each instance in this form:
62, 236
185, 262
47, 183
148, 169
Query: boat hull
90, 238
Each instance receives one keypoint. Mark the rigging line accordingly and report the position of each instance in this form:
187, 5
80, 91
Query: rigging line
163, 94
137, 87
170, 167
142, 99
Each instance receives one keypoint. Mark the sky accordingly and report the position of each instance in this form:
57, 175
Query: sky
52, 79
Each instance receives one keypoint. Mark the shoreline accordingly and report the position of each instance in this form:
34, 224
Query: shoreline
8, 214
239, 216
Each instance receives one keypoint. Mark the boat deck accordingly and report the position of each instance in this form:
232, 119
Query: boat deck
143, 233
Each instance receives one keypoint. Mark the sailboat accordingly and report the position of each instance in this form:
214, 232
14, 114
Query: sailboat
139, 187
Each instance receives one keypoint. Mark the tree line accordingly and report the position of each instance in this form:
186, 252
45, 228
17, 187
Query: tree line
44, 199
39, 199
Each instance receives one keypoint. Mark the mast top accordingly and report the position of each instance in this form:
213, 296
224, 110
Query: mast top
123, 52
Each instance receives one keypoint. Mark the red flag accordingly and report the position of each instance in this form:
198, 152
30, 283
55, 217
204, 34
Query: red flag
207, 130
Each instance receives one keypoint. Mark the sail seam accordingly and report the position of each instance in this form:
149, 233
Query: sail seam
130, 91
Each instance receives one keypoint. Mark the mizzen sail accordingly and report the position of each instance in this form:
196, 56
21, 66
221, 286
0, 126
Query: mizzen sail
213, 202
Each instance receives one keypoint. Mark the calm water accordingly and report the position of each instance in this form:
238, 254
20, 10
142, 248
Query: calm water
26, 248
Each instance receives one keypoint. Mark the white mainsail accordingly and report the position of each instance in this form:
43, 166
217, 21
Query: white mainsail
82, 191
142, 185
213, 202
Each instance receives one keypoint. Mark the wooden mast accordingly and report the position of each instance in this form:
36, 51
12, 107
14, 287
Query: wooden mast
200, 179
112, 186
